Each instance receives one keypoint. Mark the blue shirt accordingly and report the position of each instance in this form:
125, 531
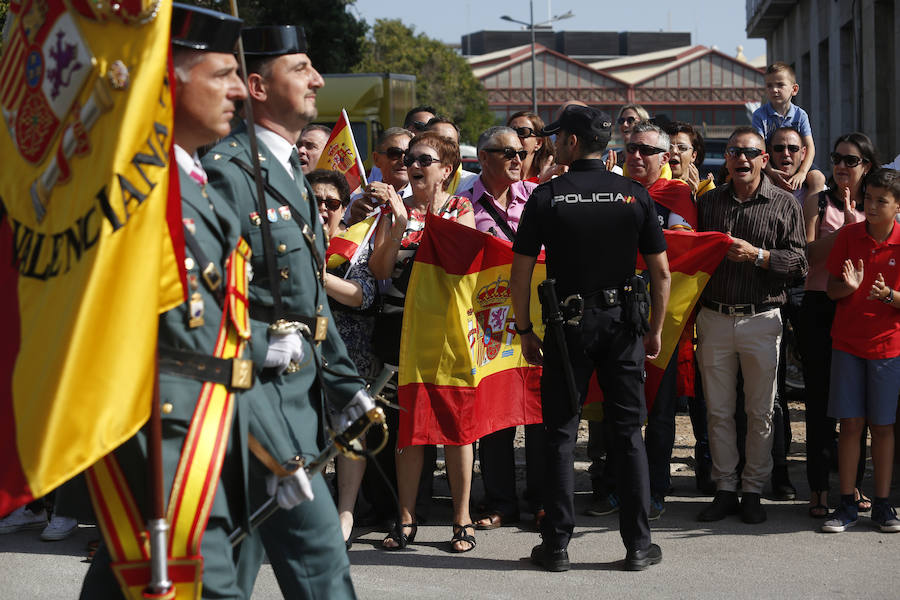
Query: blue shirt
766, 120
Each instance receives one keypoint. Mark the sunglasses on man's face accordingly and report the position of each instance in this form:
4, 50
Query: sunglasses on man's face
736, 151
792, 148
624, 120
644, 149
417, 125
330, 203
525, 132
393, 153
851, 160
508, 153
424, 160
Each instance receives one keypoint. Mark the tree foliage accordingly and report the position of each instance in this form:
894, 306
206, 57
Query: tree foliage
333, 34
443, 78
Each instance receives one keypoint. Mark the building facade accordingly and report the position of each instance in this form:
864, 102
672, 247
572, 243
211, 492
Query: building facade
845, 57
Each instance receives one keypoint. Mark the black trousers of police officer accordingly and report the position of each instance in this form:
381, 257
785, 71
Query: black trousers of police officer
607, 346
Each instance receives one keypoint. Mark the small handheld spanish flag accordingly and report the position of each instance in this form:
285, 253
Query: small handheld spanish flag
340, 154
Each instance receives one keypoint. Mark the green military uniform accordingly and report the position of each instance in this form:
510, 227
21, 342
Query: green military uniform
216, 229
304, 545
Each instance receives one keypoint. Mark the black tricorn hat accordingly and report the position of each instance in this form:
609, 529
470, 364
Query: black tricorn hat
273, 40
203, 29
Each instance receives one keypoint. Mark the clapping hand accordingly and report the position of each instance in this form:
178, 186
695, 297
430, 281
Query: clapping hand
879, 290
853, 276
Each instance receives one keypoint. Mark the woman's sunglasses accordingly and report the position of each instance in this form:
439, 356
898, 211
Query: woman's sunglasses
525, 132
851, 160
424, 160
330, 203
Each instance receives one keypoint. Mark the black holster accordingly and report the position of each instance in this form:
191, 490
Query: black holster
636, 305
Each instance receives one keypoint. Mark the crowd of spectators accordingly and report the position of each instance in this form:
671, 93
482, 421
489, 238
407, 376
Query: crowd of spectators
813, 256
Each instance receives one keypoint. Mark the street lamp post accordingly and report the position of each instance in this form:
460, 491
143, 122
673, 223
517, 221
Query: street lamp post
531, 25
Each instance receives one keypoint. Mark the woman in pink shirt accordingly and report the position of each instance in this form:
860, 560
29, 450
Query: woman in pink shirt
825, 213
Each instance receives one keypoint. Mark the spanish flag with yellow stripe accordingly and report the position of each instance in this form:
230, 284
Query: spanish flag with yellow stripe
90, 232
462, 374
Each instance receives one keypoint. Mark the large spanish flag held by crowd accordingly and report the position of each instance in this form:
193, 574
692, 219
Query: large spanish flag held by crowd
693, 257
89, 227
462, 374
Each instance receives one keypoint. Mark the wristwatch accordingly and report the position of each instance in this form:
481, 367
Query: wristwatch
525, 331
759, 258
889, 299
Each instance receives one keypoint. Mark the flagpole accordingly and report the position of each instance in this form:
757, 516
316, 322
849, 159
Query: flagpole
157, 526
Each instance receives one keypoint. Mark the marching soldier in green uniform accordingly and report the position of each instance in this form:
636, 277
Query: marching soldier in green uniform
303, 369
197, 362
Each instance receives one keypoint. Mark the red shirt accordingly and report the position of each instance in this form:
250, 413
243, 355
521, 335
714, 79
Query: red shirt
866, 328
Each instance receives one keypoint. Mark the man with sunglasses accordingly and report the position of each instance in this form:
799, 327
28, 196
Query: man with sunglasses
498, 197
739, 323
390, 150
592, 224
786, 155
417, 118
289, 310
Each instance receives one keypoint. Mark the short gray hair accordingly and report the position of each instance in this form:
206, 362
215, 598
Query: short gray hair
183, 60
490, 133
392, 132
646, 126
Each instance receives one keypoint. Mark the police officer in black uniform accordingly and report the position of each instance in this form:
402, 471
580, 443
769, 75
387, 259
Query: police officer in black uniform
592, 224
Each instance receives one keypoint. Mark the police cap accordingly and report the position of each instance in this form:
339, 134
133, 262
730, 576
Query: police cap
203, 29
585, 122
273, 40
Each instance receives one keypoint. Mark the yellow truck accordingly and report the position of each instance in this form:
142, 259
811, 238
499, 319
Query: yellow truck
373, 101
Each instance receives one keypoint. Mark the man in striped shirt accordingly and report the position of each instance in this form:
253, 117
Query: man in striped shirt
739, 324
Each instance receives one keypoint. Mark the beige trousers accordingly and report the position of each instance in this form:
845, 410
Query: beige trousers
725, 344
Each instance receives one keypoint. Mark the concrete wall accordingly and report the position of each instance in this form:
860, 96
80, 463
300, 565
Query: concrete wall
845, 55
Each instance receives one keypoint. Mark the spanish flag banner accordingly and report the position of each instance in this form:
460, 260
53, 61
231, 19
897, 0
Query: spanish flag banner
341, 154
89, 227
346, 246
462, 374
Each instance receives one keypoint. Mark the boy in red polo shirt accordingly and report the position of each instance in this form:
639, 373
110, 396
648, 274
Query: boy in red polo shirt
865, 366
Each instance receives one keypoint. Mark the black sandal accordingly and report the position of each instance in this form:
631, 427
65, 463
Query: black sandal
402, 540
460, 535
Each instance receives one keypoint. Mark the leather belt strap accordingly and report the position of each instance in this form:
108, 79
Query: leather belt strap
318, 326
235, 373
265, 458
737, 310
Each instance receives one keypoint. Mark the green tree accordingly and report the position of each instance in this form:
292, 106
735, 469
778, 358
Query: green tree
443, 78
333, 34
4, 7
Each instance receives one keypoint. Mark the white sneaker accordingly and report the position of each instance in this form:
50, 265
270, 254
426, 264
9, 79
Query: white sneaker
22, 519
59, 528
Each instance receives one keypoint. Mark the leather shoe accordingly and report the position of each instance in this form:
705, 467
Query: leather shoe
782, 489
551, 560
752, 511
494, 520
725, 503
638, 560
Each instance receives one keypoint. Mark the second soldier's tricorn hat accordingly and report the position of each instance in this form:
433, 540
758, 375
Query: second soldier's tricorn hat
584, 121
203, 29
273, 40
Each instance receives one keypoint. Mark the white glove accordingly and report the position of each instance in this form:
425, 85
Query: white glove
283, 348
360, 404
291, 490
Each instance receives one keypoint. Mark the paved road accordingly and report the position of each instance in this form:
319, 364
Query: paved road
782, 558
